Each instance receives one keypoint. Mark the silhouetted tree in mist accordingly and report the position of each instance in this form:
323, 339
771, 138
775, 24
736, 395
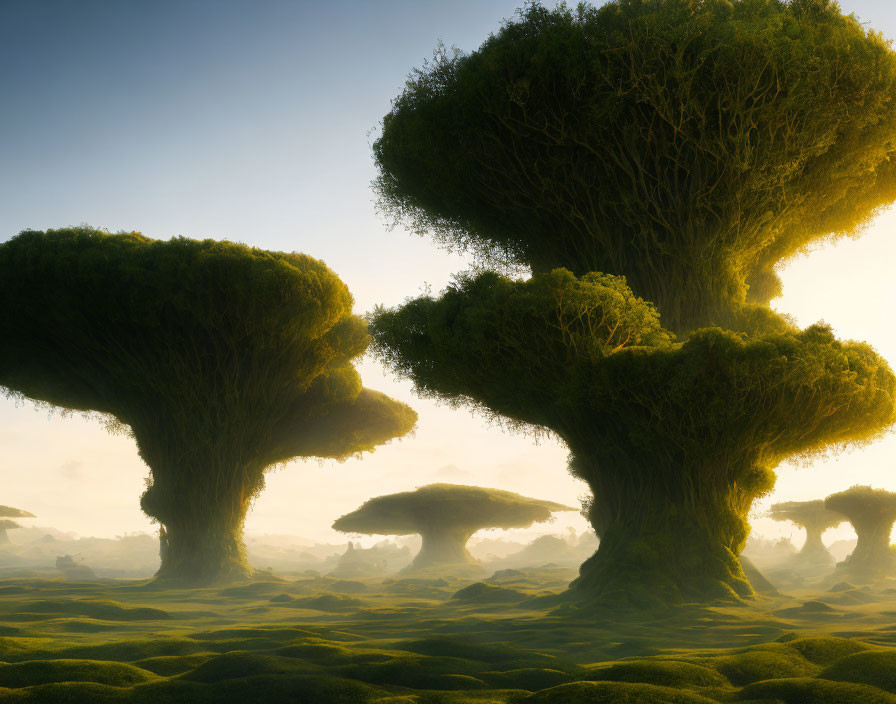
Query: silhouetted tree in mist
446, 516
815, 519
872, 513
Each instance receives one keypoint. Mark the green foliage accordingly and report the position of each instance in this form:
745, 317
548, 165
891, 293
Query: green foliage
455, 505
811, 515
485, 338
221, 359
675, 439
446, 516
10, 512
690, 146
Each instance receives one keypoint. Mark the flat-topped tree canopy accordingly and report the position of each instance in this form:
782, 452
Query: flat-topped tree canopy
807, 513
221, 359
872, 513
446, 515
690, 146
675, 439
10, 512
815, 518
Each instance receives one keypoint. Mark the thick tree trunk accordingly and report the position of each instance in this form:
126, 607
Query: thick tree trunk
873, 557
444, 546
201, 535
202, 554
665, 537
662, 565
813, 549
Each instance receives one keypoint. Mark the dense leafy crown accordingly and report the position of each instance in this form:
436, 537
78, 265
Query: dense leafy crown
187, 340
863, 504
446, 505
588, 360
689, 145
806, 513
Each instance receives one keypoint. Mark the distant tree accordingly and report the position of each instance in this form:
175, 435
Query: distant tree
689, 147
446, 516
220, 359
7, 512
872, 513
5, 525
815, 519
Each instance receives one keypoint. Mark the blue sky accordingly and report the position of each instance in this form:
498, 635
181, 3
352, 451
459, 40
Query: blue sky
252, 121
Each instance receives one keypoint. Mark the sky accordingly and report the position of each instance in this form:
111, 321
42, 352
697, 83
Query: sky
252, 121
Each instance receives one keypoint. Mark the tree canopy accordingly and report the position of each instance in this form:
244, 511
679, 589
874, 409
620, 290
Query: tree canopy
863, 503
812, 515
10, 512
221, 359
446, 516
588, 360
690, 146
470, 507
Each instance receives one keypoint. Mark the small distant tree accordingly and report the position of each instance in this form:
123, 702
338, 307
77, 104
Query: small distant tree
685, 149
219, 358
5, 525
7, 512
872, 513
815, 519
446, 516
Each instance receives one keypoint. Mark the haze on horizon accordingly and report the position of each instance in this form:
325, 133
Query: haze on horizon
211, 119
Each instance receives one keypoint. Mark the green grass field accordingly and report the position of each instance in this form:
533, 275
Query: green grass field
508, 639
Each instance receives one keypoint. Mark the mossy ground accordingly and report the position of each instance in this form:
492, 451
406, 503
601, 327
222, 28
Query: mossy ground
407, 641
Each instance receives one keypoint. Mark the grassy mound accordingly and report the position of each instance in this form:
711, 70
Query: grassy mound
614, 693
805, 690
482, 593
395, 648
874, 667
666, 673
106, 610
35, 672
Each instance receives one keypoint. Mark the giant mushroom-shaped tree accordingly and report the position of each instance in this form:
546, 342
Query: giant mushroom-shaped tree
872, 513
815, 519
7, 512
446, 516
219, 358
685, 149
